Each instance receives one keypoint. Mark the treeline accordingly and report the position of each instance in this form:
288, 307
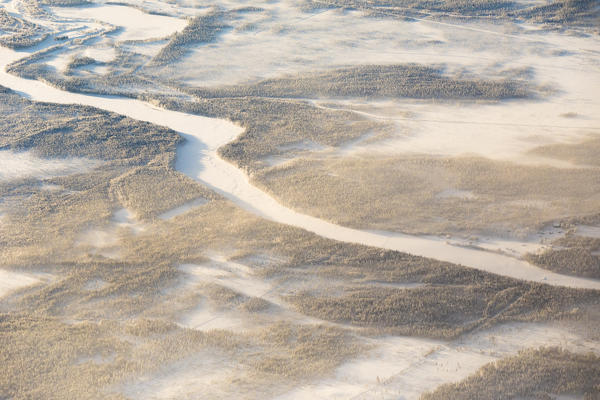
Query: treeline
77, 62
565, 12
376, 81
559, 13
540, 374
66, 3
465, 7
80, 131
573, 255
202, 29
273, 117
273, 123
446, 309
152, 190
20, 33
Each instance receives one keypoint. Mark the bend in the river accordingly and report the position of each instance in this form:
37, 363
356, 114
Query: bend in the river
198, 159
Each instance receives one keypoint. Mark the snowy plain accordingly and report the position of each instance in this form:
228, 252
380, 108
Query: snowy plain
397, 367
198, 159
134, 24
20, 165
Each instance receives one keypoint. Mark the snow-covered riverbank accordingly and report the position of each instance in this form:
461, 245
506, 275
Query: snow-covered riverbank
198, 159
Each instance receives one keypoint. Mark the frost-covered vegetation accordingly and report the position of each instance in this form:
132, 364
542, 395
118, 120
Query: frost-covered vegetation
540, 374
114, 313
450, 304
121, 79
584, 153
573, 255
54, 131
273, 123
376, 82
156, 286
66, 3
43, 227
557, 13
562, 13
406, 193
480, 7
19, 33
78, 62
152, 190
203, 29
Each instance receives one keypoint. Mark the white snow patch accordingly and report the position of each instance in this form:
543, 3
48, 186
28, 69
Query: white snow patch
102, 53
183, 209
405, 367
96, 359
499, 131
509, 247
97, 69
456, 193
205, 318
504, 130
105, 54
136, 24
95, 284
51, 187
292, 151
27, 165
569, 397
147, 49
232, 275
98, 238
11, 281
237, 277
264, 260
392, 285
105, 240
588, 231
125, 218
59, 62
205, 375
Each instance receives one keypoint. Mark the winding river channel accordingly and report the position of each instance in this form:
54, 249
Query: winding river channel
198, 159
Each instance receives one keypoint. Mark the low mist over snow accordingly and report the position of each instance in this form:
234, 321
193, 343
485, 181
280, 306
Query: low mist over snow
330, 199
20, 165
133, 23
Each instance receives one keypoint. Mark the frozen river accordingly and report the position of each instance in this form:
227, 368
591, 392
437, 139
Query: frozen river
198, 159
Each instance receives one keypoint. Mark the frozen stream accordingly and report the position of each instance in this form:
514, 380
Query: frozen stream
198, 159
